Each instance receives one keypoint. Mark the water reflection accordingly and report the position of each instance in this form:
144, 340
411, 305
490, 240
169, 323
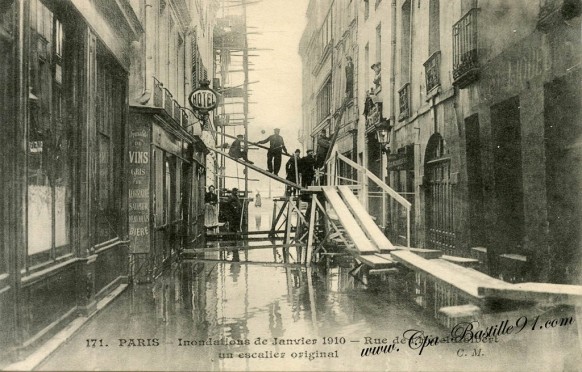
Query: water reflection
205, 310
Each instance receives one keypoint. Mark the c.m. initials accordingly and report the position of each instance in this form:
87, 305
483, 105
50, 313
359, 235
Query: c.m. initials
139, 157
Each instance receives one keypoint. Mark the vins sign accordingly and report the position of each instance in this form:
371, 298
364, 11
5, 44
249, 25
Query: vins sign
203, 99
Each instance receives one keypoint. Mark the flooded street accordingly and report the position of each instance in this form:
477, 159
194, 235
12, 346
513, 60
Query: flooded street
242, 316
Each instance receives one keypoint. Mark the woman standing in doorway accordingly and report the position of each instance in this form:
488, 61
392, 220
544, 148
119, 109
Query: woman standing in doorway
210, 211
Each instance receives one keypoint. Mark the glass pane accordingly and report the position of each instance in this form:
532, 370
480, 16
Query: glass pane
39, 218
62, 215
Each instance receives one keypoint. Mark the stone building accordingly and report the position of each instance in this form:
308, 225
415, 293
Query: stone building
80, 105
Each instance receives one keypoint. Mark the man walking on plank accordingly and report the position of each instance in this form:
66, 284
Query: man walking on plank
276, 148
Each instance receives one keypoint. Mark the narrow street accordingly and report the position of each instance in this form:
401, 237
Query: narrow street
196, 305
320, 185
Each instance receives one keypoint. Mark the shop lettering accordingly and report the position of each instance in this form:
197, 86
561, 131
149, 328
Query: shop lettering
138, 172
138, 133
139, 157
204, 99
139, 218
138, 206
139, 231
140, 193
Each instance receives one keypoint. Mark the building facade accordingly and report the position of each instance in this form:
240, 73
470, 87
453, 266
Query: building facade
64, 112
482, 99
167, 166
100, 161
329, 53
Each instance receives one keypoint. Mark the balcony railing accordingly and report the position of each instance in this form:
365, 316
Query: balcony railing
168, 101
432, 69
404, 100
163, 99
465, 50
184, 117
176, 112
158, 93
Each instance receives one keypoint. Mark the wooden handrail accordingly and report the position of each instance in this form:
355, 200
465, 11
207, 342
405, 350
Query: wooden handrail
390, 191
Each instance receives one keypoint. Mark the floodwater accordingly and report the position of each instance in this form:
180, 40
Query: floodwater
224, 315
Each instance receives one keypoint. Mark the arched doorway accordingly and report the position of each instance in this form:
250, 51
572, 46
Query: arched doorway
440, 232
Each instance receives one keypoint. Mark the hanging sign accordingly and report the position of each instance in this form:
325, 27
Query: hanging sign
203, 99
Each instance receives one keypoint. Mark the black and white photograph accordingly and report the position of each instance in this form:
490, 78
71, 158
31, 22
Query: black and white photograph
291, 185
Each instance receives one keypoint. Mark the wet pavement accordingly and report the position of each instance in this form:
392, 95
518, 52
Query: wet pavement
239, 316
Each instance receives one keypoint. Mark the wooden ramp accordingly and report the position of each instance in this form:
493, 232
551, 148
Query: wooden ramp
356, 234
259, 170
365, 220
546, 293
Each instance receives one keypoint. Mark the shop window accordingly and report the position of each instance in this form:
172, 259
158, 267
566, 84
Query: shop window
110, 120
49, 167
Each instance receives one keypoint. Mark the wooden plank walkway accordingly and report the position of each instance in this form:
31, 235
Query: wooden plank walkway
259, 170
365, 220
547, 293
467, 281
356, 234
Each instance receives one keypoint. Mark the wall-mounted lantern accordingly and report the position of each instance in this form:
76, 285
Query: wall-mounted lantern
383, 132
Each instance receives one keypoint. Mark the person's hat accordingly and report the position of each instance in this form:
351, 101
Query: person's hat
298, 151
309, 151
240, 136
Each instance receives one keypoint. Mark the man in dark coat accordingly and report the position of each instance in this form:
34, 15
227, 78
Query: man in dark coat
291, 173
238, 149
276, 149
307, 169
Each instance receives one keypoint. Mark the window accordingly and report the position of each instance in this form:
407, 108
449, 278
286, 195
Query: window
465, 53
405, 43
110, 115
325, 32
433, 27
366, 9
49, 185
324, 101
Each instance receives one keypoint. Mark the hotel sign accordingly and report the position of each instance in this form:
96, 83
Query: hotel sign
203, 100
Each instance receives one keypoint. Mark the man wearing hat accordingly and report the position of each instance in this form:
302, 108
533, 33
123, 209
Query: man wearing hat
291, 173
276, 148
307, 169
238, 150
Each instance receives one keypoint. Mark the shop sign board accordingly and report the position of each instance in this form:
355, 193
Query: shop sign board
203, 100
139, 187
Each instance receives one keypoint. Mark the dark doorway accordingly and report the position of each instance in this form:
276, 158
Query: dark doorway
374, 166
508, 180
474, 181
440, 223
563, 146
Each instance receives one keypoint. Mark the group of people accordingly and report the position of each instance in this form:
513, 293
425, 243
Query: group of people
300, 166
304, 165
231, 209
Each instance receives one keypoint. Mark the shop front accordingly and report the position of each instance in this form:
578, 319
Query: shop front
166, 185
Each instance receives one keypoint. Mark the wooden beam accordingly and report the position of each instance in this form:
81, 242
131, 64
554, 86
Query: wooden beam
257, 169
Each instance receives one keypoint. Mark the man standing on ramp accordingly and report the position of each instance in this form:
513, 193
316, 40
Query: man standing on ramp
276, 148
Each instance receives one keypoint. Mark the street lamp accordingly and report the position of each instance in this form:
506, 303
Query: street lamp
383, 134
